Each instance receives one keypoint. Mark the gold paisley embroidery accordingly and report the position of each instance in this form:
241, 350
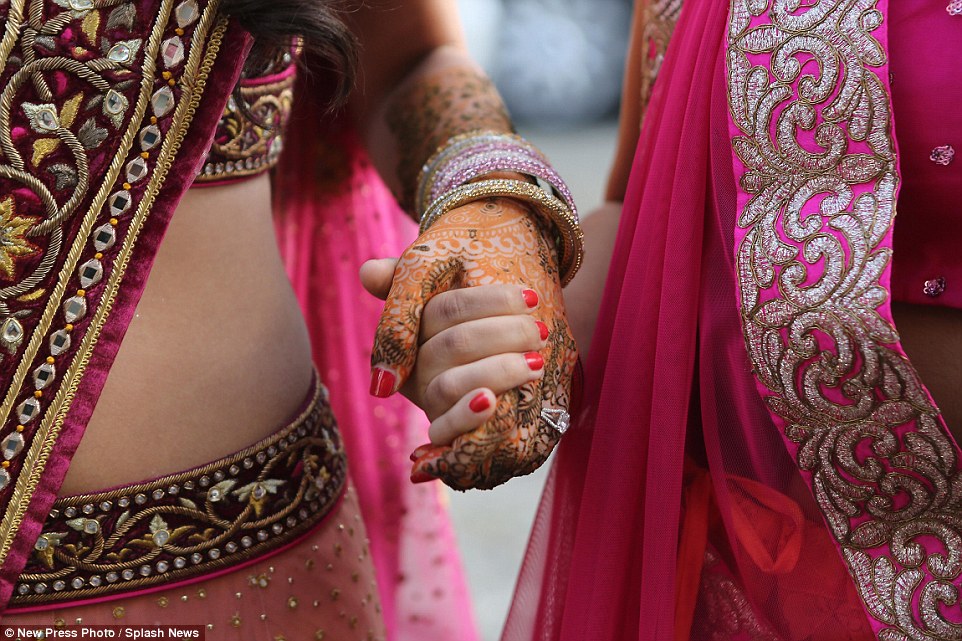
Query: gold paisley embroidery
660, 19
818, 177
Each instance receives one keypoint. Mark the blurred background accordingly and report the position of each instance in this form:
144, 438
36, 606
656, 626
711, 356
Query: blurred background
559, 66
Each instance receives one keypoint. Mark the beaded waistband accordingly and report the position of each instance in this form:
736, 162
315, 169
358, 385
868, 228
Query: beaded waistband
179, 527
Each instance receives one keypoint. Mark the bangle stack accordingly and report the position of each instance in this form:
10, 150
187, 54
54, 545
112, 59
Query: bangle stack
450, 179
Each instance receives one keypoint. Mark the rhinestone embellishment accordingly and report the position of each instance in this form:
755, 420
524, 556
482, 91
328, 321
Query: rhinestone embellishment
149, 137
173, 51
91, 272
160, 537
934, 288
119, 202
104, 237
186, 13
942, 155
74, 309
43, 375
162, 101
28, 410
124, 51
136, 170
59, 342
12, 332
11, 446
43, 118
114, 103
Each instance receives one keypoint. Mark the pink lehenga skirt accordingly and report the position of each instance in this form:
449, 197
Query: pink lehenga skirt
266, 543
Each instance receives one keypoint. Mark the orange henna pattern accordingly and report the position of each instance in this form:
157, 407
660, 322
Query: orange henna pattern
492, 241
434, 110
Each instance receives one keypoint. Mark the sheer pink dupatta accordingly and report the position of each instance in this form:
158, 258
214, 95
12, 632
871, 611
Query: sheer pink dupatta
332, 213
601, 562
673, 510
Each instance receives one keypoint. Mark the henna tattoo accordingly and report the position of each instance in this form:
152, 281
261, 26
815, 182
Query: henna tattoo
491, 241
435, 109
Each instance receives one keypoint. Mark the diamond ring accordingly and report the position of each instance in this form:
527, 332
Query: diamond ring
557, 418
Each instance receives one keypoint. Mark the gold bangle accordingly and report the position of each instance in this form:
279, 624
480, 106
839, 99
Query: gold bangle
569, 237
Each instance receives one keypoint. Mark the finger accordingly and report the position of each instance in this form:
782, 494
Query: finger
466, 463
376, 275
498, 373
471, 303
469, 413
420, 451
417, 278
427, 452
477, 340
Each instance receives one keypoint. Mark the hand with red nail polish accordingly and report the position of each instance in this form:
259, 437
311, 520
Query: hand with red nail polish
475, 330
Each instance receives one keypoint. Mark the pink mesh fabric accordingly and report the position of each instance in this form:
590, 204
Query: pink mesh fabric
332, 213
673, 510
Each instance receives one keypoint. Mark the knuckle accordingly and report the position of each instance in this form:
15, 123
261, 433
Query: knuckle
451, 307
511, 298
444, 389
454, 341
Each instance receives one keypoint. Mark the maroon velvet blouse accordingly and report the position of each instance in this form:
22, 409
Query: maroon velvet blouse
249, 136
926, 50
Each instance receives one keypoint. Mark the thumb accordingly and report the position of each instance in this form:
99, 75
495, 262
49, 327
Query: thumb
415, 282
377, 274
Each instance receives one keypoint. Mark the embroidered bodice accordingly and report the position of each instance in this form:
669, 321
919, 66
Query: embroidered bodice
927, 105
249, 135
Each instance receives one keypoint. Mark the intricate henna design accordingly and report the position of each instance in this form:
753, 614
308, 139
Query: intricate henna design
486, 242
435, 109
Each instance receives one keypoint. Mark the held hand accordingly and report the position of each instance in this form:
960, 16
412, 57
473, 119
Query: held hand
478, 342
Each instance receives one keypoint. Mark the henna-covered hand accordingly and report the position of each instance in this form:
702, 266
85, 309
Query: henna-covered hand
488, 242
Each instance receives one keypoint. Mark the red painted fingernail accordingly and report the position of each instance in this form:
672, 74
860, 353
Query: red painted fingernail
534, 360
480, 403
543, 329
530, 298
382, 383
421, 477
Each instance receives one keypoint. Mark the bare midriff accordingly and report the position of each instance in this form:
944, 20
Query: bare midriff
932, 338
217, 355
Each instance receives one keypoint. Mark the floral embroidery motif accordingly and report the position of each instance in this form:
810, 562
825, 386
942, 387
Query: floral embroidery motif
934, 287
13, 237
955, 8
248, 140
189, 524
818, 179
81, 80
942, 155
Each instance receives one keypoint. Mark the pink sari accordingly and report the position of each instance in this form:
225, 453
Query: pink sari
689, 501
333, 213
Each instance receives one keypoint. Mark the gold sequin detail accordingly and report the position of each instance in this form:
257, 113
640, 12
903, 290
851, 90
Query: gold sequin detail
818, 175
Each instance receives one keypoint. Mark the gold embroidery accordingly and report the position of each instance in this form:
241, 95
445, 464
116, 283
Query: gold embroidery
189, 524
660, 19
107, 75
246, 146
818, 178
